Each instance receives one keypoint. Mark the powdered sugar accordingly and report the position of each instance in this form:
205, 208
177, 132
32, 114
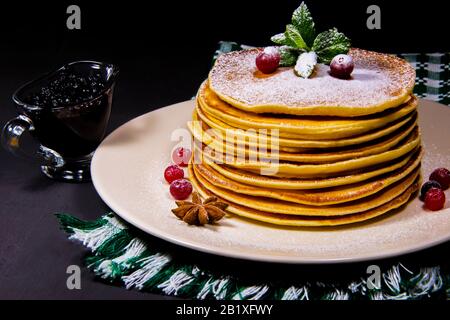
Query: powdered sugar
271, 50
376, 78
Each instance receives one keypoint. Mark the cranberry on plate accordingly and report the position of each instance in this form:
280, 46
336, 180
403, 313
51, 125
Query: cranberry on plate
427, 186
435, 199
180, 189
181, 156
442, 176
172, 173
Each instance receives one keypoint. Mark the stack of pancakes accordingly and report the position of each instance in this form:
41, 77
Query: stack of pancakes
307, 152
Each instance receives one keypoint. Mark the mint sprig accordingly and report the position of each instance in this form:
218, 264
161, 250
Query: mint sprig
330, 43
303, 21
300, 36
288, 56
294, 38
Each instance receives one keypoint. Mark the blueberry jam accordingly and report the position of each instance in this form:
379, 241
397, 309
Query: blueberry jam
67, 88
70, 108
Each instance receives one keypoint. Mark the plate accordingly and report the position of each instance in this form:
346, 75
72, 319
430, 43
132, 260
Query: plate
127, 172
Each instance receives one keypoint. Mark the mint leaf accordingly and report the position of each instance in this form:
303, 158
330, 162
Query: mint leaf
288, 56
279, 39
305, 64
330, 43
294, 38
303, 21
301, 48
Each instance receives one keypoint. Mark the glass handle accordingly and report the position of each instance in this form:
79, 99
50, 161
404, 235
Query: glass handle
25, 146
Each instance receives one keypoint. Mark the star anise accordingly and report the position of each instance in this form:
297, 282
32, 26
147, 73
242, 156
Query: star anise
198, 212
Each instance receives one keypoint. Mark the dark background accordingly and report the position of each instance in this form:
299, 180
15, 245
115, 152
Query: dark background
164, 50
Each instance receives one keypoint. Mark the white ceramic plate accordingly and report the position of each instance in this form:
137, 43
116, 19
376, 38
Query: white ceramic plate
127, 171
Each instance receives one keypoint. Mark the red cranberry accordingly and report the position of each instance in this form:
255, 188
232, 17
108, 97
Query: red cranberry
173, 173
268, 60
442, 176
427, 186
341, 66
435, 199
180, 189
181, 156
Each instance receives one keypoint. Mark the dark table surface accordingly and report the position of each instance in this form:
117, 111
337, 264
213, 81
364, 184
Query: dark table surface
34, 252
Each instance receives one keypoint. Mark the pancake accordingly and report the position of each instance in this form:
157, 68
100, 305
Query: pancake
308, 221
315, 183
379, 82
290, 169
288, 208
249, 135
317, 197
295, 145
342, 151
252, 138
216, 141
315, 128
